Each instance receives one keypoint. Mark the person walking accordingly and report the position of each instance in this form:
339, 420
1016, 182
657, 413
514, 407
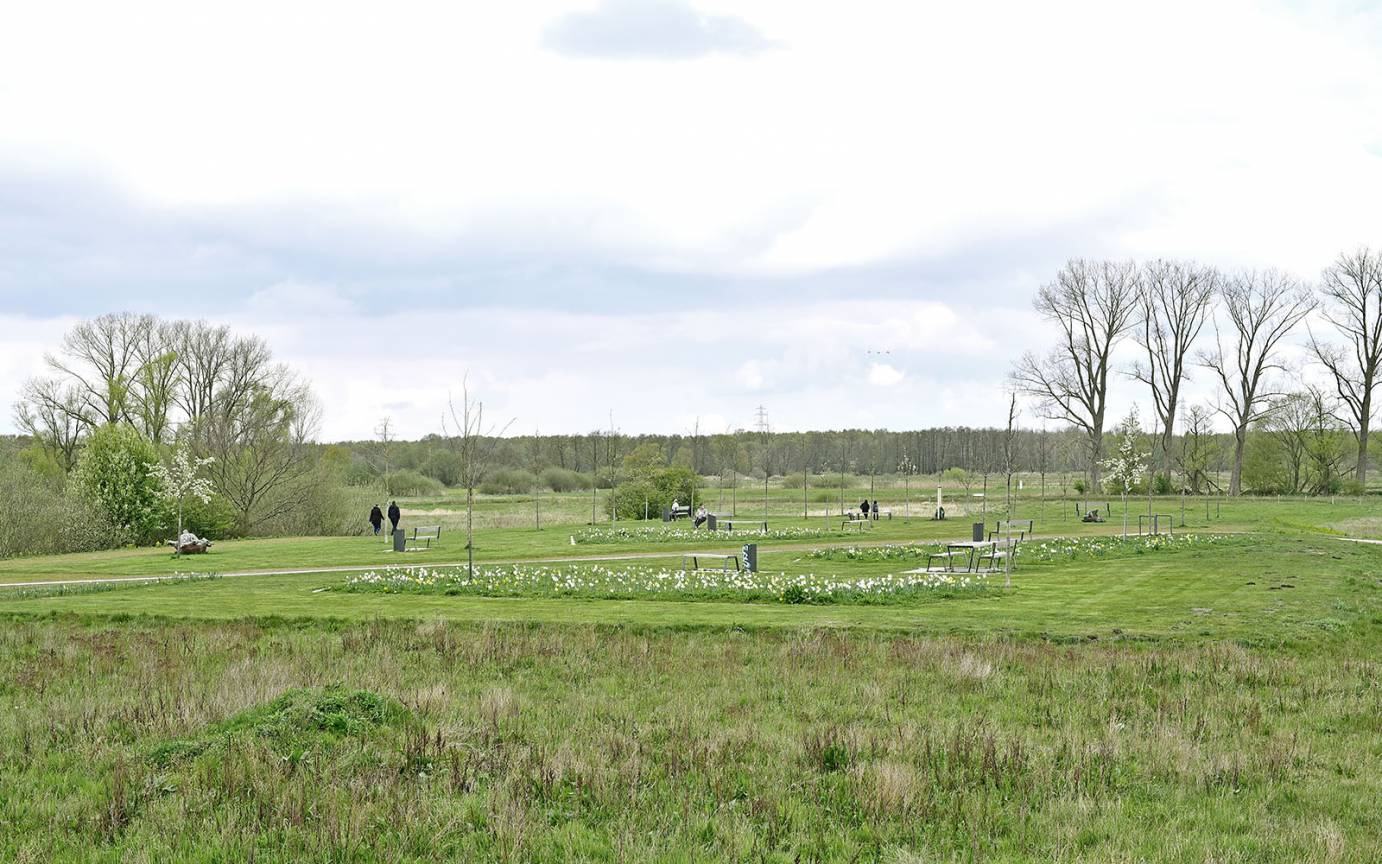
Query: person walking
376, 519
394, 515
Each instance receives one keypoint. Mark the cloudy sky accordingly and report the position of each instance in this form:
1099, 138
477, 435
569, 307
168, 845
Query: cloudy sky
667, 209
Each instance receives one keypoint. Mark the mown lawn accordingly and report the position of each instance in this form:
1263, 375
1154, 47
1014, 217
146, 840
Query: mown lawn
1215, 702
1345, 516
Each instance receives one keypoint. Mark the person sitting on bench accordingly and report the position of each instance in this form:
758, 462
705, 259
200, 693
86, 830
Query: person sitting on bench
702, 515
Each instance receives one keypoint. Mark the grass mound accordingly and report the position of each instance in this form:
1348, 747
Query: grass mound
298, 721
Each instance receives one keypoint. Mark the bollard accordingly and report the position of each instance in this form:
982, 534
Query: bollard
751, 557
400, 543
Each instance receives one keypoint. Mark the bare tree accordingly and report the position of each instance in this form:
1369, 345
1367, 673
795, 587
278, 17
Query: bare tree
475, 444
53, 412
153, 395
100, 358
1197, 449
1351, 290
382, 452
262, 449
1261, 308
1093, 303
1174, 301
1288, 421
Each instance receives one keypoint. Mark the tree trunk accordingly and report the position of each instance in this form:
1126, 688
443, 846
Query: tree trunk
1240, 440
1361, 472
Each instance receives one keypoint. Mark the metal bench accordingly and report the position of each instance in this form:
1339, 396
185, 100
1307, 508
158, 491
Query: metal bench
422, 538
1022, 526
1154, 523
695, 559
948, 557
860, 524
730, 523
999, 551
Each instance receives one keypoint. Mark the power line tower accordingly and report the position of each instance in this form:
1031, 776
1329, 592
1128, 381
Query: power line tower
764, 431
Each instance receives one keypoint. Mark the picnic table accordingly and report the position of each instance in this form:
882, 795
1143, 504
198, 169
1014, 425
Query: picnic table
967, 549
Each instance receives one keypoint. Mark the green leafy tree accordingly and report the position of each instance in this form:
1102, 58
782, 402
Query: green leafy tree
116, 473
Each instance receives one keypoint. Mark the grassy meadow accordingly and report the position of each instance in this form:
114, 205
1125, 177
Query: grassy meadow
1214, 697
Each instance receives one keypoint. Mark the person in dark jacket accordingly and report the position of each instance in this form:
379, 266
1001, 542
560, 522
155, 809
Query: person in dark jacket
376, 518
864, 509
875, 511
394, 516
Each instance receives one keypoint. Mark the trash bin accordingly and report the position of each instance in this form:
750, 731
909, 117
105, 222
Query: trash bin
399, 542
710, 522
978, 532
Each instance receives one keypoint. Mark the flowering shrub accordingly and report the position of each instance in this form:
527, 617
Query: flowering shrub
624, 582
674, 534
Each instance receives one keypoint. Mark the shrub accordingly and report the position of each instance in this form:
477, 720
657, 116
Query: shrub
114, 475
564, 480
410, 484
636, 497
39, 517
510, 481
443, 466
1163, 485
1079, 485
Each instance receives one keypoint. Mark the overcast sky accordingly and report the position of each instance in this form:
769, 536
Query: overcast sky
661, 208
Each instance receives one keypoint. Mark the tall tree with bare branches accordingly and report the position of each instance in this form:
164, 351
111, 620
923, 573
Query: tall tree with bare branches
1093, 303
1174, 302
1261, 307
1351, 294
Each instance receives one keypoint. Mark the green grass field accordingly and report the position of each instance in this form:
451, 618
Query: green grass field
1214, 699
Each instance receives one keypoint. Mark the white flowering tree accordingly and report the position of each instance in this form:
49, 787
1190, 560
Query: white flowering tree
1126, 468
181, 480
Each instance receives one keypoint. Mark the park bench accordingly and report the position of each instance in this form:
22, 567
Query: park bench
996, 553
731, 522
860, 524
422, 538
695, 559
882, 514
1083, 507
1023, 527
1154, 523
948, 556
671, 514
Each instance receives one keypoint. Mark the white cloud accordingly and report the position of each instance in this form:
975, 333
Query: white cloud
884, 375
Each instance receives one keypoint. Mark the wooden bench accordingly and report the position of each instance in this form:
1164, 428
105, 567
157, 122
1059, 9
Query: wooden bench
861, 524
422, 538
695, 559
730, 523
671, 514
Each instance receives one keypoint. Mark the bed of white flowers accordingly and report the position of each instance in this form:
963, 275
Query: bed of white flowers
1038, 551
642, 582
675, 534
